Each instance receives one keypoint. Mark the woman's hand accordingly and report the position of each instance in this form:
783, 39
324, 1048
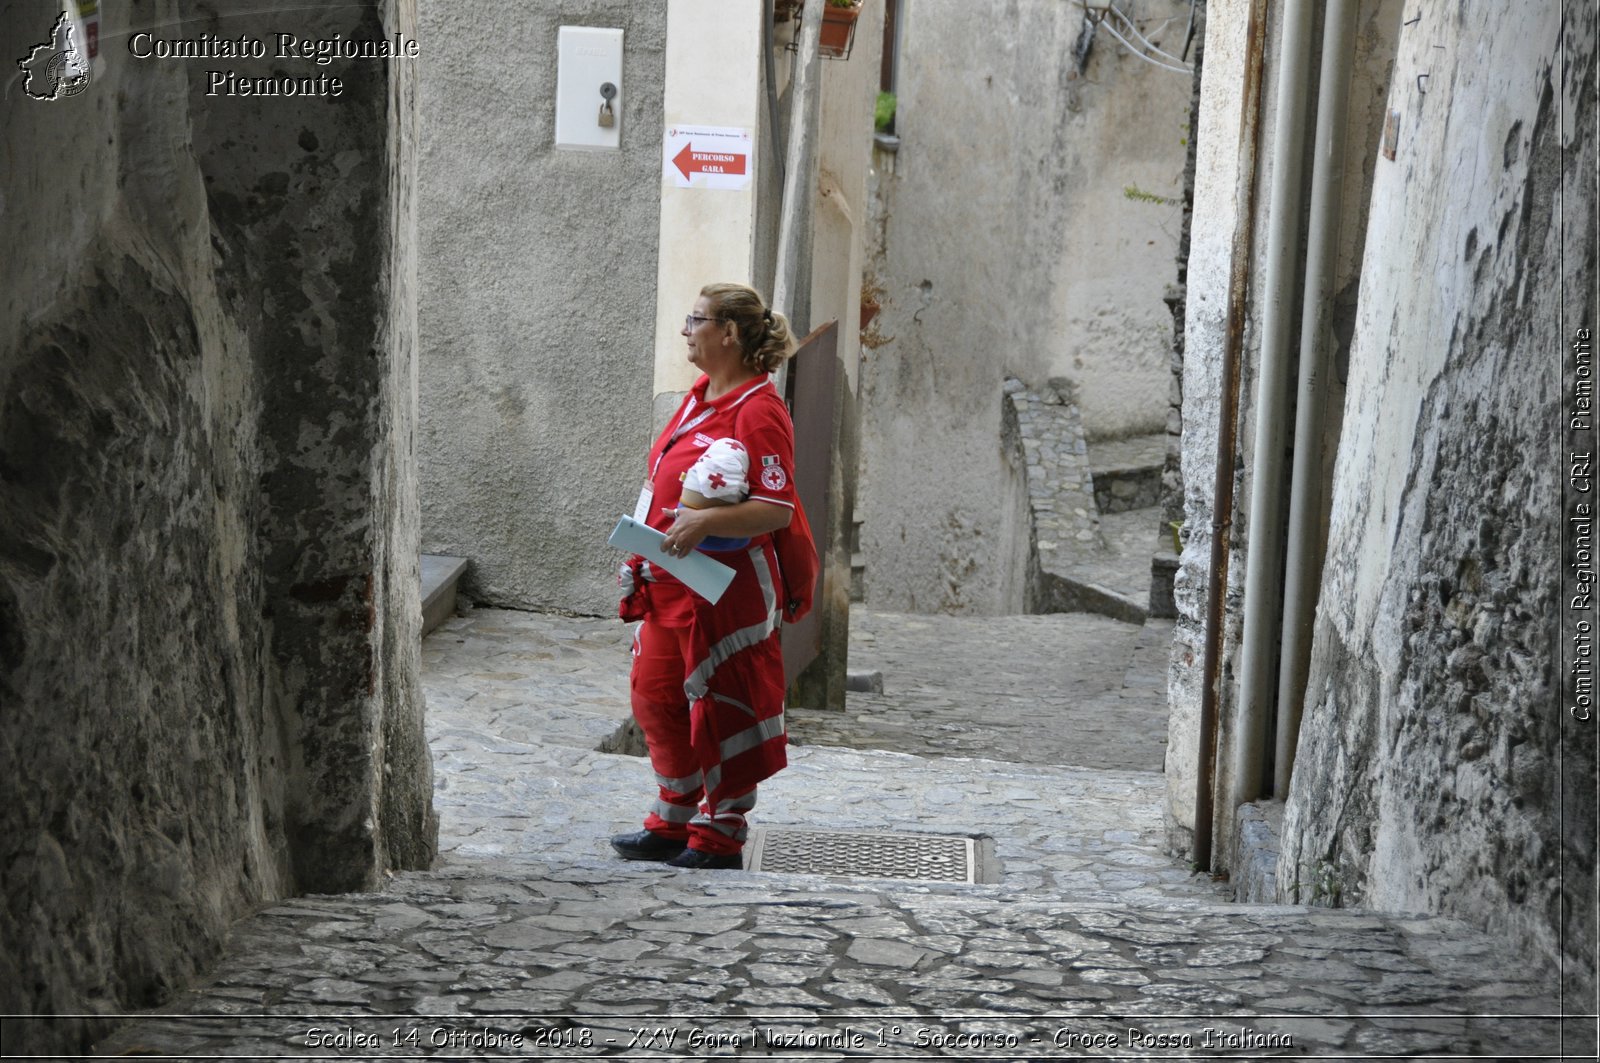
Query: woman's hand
750, 517
687, 532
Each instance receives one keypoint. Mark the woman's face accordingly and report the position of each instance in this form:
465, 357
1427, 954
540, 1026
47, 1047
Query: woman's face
706, 336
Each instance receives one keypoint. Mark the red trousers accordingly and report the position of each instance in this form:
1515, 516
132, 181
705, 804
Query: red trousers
685, 749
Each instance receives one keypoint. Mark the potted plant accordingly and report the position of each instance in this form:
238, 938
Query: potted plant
839, 27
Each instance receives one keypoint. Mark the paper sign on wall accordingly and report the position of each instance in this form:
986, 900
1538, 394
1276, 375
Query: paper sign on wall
707, 157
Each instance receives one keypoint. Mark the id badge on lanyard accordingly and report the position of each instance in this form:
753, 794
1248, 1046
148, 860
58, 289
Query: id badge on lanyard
641, 512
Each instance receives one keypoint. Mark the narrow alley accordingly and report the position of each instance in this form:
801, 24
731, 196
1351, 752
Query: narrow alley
530, 939
1190, 403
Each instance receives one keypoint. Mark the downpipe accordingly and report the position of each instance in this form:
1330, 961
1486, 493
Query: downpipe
800, 173
799, 179
1264, 568
769, 35
1303, 563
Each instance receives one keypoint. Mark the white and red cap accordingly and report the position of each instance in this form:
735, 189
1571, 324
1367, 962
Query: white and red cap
721, 473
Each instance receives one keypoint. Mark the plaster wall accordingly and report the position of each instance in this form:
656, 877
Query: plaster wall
1009, 248
537, 310
1124, 142
1435, 743
208, 602
849, 100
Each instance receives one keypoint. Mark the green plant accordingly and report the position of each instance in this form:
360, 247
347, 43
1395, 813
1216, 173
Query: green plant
1134, 192
1324, 884
843, 3
883, 116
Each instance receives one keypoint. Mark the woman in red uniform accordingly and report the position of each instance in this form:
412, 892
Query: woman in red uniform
707, 681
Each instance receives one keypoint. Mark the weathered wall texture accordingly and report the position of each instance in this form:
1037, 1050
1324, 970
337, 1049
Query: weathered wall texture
537, 284
1010, 248
1218, 233
208, 603
1221, 162
1431, 759
1124, 143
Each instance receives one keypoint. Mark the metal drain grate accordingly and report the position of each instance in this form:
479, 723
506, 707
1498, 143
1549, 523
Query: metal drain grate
873, 854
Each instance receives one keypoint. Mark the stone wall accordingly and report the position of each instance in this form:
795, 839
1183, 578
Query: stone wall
1176, 298
1435, 743
208, 601
1010, 246
1044, 433
537, 289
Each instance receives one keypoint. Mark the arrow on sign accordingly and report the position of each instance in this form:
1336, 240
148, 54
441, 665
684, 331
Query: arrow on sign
688, 161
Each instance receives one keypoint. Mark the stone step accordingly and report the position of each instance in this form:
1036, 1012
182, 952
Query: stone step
439, 578
1127, 472
1113, 579
1069, 593
1120, 490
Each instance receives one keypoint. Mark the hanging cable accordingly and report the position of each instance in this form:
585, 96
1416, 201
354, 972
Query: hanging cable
1096, 14
1137, 54
1142, 38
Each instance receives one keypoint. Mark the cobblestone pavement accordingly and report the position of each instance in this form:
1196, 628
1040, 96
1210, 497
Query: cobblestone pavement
530, 939
1064, 688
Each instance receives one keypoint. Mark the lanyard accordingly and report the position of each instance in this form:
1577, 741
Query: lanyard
684, 425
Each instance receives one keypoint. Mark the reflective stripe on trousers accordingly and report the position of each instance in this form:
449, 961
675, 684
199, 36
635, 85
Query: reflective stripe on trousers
691, 802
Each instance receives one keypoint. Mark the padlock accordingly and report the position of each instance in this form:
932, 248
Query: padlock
608, 117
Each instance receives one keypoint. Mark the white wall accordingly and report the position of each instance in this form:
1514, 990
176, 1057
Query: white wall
706, 233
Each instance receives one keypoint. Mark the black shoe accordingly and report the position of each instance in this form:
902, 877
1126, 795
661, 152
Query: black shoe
647, 845
695, 858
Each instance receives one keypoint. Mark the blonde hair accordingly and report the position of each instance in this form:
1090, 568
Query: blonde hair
763, 335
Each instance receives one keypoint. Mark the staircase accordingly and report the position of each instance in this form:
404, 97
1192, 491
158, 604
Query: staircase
440, 575
1095, 512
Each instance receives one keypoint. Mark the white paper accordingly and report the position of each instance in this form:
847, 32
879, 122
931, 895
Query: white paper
699, 573
641, 510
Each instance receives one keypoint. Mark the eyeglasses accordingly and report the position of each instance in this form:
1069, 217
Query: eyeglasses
690, 321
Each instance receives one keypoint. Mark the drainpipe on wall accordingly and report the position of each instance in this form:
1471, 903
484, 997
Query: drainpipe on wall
800, 175
1264, 568
1243, 254
1303, 565
775, 133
